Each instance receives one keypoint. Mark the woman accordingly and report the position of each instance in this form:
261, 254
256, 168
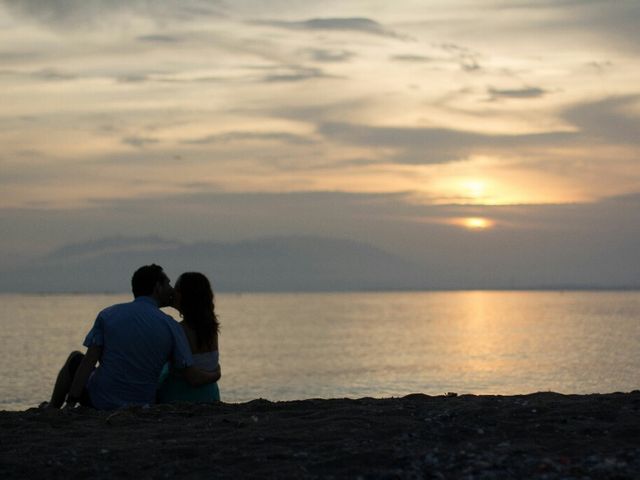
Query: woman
194, 301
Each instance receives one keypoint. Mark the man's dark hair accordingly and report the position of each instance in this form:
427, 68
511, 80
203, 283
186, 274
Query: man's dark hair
145, 278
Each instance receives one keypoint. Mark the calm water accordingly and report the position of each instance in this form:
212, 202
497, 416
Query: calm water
294, 346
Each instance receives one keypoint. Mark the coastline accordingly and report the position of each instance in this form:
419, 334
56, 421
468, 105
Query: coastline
542, 435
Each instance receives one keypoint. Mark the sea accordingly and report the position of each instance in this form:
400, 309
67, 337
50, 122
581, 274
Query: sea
290, 346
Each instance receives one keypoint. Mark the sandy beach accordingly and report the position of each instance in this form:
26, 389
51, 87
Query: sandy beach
542, 435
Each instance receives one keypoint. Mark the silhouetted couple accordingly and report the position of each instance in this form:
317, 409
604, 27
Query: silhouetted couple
142, 354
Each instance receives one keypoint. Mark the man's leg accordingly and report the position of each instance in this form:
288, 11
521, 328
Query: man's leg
65, 377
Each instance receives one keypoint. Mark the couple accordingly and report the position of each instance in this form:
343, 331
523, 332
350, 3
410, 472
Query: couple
143, 354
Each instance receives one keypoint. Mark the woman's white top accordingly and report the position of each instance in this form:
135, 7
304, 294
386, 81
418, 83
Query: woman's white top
207, 360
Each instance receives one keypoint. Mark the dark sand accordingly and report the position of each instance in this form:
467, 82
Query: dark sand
544, 435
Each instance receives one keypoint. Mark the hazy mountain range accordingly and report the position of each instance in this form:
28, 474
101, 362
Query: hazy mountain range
269, 264
273, 264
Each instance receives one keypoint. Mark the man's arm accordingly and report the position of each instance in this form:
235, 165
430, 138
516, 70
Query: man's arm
197, 377
82, 374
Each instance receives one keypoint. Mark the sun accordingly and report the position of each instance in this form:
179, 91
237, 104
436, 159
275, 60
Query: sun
477, 223
472, 223
474, 188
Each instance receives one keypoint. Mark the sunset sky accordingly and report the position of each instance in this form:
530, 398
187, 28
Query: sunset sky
429, 129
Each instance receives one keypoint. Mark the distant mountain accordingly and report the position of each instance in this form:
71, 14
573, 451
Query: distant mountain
110, 245
263, 265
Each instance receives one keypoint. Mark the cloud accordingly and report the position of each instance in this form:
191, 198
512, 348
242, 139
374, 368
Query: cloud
434, 145
159, 39
294, 74
139, 142
20, 56
355, 24
53, 74
601, 66
317, 112
91, 13
411, 58
45, 74
617, 21
411, 145
468, 59
164, 77
284, 137
608, 119
614, 22
529, 92
329, 56
133, 78
151, 75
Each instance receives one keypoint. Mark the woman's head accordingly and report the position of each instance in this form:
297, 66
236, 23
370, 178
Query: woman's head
195, 301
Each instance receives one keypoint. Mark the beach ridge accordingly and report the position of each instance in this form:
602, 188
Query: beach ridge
541, 435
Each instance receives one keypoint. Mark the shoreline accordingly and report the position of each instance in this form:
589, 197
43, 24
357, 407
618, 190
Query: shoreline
541, 435
504, 289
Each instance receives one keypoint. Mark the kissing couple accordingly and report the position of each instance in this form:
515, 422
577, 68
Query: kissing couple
138, 355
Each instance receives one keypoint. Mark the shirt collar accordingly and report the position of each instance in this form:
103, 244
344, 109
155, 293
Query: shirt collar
145, 299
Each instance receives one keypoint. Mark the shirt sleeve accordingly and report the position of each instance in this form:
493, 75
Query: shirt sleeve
95, 337
181, 357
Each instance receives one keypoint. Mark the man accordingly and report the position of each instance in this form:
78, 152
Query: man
132, 341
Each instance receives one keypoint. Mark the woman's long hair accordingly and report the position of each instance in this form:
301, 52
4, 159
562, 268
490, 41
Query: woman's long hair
197, 307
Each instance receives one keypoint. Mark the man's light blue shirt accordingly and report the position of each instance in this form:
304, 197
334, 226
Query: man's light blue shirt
137, 340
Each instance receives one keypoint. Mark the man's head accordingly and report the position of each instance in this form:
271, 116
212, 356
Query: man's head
151, 281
